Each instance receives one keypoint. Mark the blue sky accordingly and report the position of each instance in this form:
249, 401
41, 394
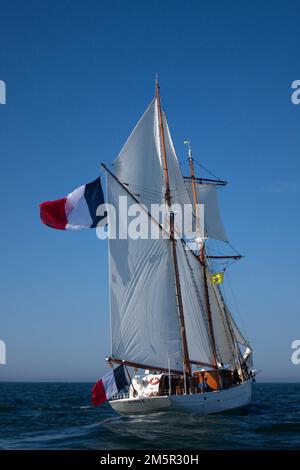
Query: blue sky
79, 75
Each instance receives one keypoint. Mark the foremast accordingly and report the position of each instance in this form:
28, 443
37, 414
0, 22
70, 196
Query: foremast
186, 359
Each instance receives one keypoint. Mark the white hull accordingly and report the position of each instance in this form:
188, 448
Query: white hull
202, 403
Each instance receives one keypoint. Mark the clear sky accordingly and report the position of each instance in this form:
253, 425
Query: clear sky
79, 74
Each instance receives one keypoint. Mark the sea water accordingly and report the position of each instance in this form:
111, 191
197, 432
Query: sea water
60, 416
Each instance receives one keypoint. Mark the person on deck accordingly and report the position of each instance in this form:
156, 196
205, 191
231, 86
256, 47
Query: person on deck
207, 388
236, 377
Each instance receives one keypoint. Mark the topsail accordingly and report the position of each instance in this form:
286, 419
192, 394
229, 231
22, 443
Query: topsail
207, 195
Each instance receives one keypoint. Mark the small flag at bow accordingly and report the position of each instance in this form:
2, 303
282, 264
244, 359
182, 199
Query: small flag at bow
75, 211
217, 278
111, 384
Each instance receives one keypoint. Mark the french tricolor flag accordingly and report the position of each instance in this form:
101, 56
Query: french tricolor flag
77, 210
109, 385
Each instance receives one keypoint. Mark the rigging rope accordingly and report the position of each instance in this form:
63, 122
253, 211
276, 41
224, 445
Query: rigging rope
206, 169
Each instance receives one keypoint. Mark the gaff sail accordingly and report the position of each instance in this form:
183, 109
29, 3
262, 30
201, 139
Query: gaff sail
143, 309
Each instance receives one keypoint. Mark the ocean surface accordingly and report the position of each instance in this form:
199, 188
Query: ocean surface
60, 416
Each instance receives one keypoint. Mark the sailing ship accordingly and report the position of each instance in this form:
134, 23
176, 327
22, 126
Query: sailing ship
170, 324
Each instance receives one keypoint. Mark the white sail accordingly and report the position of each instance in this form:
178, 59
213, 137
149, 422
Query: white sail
192, 290
143, 309
224, 341
207, 195
239, 337
138, 164
178, 190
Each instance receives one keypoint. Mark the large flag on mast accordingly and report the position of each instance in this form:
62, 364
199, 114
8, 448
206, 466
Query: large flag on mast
77, 210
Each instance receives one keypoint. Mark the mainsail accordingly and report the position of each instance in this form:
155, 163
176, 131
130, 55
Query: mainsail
146, 328
144, 324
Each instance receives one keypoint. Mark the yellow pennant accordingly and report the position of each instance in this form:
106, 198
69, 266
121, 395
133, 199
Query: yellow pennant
217, 278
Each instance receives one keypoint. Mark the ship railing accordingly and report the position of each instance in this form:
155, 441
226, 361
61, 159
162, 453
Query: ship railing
145, 394
159, 393
120, 396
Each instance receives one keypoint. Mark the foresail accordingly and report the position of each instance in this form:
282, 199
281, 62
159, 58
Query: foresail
239, 337
143, 309
207, 195
192, 288
225, 344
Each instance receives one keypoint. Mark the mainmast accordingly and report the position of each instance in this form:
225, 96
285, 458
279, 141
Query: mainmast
186, 360
201, 256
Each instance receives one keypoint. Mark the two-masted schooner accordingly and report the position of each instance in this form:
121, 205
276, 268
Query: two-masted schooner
169, 320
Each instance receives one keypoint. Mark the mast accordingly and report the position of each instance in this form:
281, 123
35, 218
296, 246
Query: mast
201, 256
186, 360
